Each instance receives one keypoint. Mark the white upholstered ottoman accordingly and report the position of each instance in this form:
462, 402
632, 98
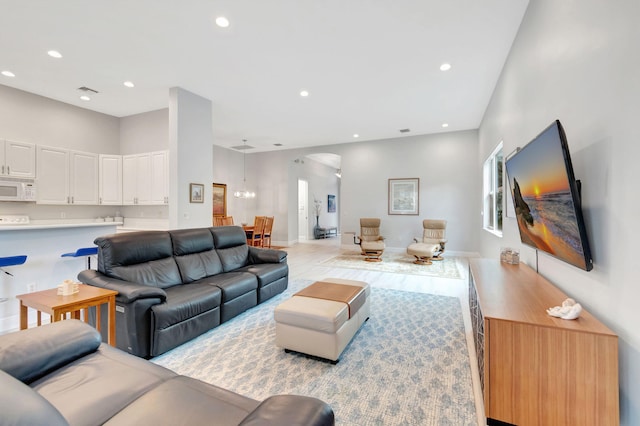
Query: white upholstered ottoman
321, 327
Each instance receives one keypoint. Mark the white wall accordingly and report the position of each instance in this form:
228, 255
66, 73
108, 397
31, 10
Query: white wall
447, 167
446, 164
145, 132
579, 61
31, 118
190, 158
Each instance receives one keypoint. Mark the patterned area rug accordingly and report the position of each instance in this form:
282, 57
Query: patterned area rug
408, 365
400, 263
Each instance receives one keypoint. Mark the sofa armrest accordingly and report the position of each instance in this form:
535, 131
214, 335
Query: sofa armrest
21, 405
261, 255
30, 354
290, 410
127, 291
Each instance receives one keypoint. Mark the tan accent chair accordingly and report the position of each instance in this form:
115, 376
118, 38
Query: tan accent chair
432, 245
371, 242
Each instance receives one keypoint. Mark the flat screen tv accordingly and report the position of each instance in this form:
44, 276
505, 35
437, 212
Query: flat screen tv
546, 197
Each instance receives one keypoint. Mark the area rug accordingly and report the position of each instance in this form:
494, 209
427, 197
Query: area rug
400, 263
408, 365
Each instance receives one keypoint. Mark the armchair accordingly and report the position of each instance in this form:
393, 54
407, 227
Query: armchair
432, 244
370, 241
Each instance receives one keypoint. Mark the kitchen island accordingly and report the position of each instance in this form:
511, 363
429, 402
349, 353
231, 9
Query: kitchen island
43, 242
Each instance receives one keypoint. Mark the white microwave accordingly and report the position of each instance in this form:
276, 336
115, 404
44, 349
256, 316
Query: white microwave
17, 191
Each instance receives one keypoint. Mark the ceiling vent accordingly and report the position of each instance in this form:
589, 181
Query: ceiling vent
87, 89
242, 147
405, 130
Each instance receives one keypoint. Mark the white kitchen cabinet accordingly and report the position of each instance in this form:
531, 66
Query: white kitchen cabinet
145, 178
53, 175
84, 177
110, 181
66, 177
17, 159
160, 177
136, 179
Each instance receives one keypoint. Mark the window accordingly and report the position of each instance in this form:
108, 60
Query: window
492, 187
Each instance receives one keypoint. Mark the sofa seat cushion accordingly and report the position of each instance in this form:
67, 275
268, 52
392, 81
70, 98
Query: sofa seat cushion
267, 272
186, 401
91, 390
185, 302
233, 284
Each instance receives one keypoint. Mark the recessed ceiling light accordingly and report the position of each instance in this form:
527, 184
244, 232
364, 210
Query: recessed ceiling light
304, 93
129, 84
85, 98
54, 54
445, 67
222, 22
445, 124
8, 73
355, 135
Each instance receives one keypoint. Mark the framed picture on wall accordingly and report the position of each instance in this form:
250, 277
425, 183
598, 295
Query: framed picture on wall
219, 195
331, 203
196, 193
404, 196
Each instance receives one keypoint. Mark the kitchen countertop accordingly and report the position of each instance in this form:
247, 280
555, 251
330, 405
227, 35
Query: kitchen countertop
57, 224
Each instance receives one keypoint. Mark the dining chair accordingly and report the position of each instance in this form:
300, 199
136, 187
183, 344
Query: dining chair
266, 237
217, 221
227, 221
258, 232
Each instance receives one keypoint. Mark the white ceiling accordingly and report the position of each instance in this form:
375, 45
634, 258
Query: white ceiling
371, 66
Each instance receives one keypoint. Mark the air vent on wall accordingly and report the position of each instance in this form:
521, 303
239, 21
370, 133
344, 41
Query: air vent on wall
87, 89
405, 130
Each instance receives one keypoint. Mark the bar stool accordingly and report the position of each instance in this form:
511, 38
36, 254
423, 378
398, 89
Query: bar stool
10, 261
85, 251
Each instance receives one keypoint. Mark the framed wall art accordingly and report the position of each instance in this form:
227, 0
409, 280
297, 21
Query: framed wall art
196, 193
404, 196
331, 203
219, 195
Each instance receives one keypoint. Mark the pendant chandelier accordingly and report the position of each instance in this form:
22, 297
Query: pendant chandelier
244, 193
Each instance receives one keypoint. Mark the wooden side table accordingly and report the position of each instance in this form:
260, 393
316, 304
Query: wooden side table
49, 302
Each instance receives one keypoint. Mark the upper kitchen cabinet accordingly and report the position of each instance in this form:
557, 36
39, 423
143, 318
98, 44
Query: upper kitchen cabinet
145, 178
84, 178
17, 159
66, 177
110, 180
160, 174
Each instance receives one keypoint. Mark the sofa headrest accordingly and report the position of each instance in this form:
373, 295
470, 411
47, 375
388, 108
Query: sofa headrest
132, 248
228, 236
190, 241
30, 354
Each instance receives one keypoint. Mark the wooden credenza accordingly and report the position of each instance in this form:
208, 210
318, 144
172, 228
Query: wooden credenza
536, 369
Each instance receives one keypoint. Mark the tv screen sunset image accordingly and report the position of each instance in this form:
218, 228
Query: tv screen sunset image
543, 200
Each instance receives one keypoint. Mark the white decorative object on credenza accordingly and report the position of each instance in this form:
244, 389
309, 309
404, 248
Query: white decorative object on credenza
569, 310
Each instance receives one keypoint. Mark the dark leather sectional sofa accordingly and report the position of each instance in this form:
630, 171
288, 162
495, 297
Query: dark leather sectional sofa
61, 374
175, 285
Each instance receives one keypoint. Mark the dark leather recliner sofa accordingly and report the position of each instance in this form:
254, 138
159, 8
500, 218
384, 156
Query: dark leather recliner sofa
61, 374
175, 285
